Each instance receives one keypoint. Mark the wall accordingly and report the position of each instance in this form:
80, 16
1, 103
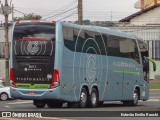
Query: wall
2, 44
150, 17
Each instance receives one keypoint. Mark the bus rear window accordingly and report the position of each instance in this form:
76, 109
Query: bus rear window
34, 38
44, 31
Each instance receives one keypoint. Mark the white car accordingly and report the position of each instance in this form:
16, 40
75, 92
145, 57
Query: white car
4, 93
1, 82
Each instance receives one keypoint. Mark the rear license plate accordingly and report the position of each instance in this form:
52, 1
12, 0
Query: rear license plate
32, 93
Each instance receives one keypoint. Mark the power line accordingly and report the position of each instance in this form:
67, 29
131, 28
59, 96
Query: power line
19, 12
59, 14
73, 13
63, 9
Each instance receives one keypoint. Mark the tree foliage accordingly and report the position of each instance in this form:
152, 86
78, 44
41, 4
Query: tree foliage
30, 16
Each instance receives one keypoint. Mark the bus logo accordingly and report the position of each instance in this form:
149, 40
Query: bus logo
33, 47
91, 68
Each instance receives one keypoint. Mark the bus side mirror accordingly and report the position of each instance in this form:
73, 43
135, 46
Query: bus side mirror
154, 67
152, 61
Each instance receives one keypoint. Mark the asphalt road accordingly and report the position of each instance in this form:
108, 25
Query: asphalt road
153, 105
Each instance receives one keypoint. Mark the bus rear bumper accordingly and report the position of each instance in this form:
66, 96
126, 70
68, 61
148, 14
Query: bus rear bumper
31, 94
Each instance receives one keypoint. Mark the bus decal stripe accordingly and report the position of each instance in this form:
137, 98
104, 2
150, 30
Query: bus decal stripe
35, 86
126, 72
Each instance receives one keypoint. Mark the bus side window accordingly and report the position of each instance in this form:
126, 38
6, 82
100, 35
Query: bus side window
69, 41
79, 39
113, 46
137, 57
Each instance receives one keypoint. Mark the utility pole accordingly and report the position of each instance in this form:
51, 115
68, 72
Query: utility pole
6, 10
80, 12
12, 13
111, 16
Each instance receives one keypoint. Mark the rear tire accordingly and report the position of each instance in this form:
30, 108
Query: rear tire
93, 98
39, 103
83, 98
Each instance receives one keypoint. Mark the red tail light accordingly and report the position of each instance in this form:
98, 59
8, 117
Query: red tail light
55, 79
54, 22
17, 22
35, 21
12, 78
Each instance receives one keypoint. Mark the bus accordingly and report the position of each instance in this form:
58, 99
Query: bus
56, 62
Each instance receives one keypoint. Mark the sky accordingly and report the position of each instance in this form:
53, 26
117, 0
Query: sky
94, 10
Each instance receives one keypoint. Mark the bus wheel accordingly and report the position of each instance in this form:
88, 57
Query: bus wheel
54, 104
83, 98
39, 103
134, 102
93, 98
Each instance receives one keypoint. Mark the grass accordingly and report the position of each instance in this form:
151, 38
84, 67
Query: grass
154, 86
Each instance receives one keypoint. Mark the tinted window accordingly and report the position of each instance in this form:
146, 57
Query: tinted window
95, 43
85, 41
69, 39
34, 38
113, 46
122, 47
44, 31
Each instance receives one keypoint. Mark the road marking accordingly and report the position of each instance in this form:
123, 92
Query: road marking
154, 97
53, 118
45, 118
10, 118
7, 106
20, 102
154, 100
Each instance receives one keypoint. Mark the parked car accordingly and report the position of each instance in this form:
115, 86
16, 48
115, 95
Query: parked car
1, 82
5, 93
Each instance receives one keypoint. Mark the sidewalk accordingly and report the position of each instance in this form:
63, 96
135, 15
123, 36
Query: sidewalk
154, 81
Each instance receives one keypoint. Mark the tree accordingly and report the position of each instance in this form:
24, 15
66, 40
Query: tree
30, 16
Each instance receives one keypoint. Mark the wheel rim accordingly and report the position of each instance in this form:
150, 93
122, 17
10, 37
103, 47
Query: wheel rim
94, 98
83, 97
4, 97
135, 98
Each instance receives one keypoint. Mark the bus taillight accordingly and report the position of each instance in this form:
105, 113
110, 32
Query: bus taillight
55, 79
54, 22
12, 78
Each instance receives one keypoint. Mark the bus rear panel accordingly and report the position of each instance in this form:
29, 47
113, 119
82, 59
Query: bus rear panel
33, 55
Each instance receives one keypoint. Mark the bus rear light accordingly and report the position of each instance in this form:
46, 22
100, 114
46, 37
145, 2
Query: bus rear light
12, 78
55, 79
35, 21
17, 22
54, 22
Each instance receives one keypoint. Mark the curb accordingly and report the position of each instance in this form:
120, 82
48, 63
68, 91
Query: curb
154, 89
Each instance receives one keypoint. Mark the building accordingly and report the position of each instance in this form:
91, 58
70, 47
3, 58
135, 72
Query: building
2, 52
143, 4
